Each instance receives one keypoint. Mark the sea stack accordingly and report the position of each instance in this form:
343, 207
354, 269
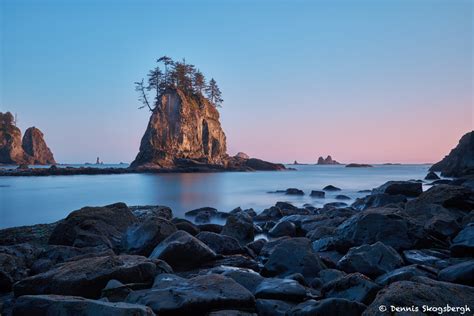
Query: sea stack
460, 161
11, 151
327, 161
34, 145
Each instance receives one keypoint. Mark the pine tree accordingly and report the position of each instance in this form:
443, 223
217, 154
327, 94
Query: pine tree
214, 94
199, 82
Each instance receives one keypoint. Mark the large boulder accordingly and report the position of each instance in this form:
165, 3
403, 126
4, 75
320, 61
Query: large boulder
221, 244
406, 188
420, 292
87, 277
328, 306
463, 243
94, 226
239, 226
142, 238
448, 196
34, 145
183, 251
354, 287
281, 289
283, 228
173, 295
406, 273
460, 160
294, 255
273, 307
371, 260
378, 200
462, 273
72, 305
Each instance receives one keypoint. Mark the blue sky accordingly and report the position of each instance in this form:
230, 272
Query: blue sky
365, 81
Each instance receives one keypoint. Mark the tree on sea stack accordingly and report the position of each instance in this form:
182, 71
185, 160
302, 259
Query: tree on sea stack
214, 94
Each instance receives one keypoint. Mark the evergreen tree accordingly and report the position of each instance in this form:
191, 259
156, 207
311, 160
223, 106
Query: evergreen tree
156, 82
199, 82
168, 62
214, 94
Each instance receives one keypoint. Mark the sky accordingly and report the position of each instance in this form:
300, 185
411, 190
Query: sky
363, 81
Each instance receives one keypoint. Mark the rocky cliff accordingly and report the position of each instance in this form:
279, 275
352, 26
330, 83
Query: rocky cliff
35, 146
11, 151
460, 160
327, 161
182, 127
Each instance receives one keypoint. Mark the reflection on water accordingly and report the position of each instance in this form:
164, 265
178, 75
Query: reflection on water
32, 200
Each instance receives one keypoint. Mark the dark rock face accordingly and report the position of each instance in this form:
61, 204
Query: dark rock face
421, 291
432, 176
72, 305
283, 228
142, 238
460, 160
328, 306
34, 145
239, 226
406, 273
371, 260
94, 226
183, 251
281, 289
407, 188
377, 200
294, 191
327, 161
223, 245
354, 287
462, 273
331, 188
291, 256
318, 194
273, 307
449, 196
463, 243
87, 277
11, 151
172, 295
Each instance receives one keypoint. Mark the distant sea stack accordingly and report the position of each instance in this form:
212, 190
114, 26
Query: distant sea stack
327, 161
35, 146
32, 150
460, 161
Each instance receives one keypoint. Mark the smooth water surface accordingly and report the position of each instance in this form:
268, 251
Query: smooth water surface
34, 200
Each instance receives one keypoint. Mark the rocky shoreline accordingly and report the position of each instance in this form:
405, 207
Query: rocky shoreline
398, 246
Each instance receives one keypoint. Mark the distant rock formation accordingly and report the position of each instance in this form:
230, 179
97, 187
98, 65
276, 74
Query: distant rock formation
358, 165
327, 161
184, 132
460, 160
35, 146
32, 150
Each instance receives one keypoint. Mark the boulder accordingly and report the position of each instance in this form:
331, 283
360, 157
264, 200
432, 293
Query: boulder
460, 161
293, 255
272, 213
94, 226
185, 225
328, 306
73, 305
406, 188
342, 197
281, 289
12, 269
34, 145
428, 257
230, 312
354, 287
273, 307
335, 205
418, 292
239, 226
220, 244
294, 191
462, 273
406, 273
242, 155
371, 260
87, 277
318, 194
183, 251
146, 212
213, 228
378, 200
463, 243
257, 245
331, 188
248, 278
283, 228
432, 176
448, 196
142, 238
172, 295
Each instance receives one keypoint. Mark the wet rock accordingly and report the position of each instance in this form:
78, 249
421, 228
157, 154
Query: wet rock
87, 277
462, 273
353, 287
328, 306
432, 176
371, 260
463, 243
272, 213
73, 305
115, 291
185, 225
426, 257
145, 212
257, 245
283, 228
406, 188
335, 204
35, 234
448, 196
406, 273
378, 200
318, 194
172, 295
291, 256
203, 210
183, 251
331, 188
281, 289
142, 238
239, 261
12, 269
245, 277
421, 291
213, 228
294, 191
342, 197
94, 226
239, 226
220, 244
273, 307
230, 312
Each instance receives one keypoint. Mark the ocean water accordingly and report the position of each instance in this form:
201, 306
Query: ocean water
34, 200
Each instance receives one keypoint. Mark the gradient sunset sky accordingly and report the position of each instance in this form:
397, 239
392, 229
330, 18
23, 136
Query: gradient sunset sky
364, 81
